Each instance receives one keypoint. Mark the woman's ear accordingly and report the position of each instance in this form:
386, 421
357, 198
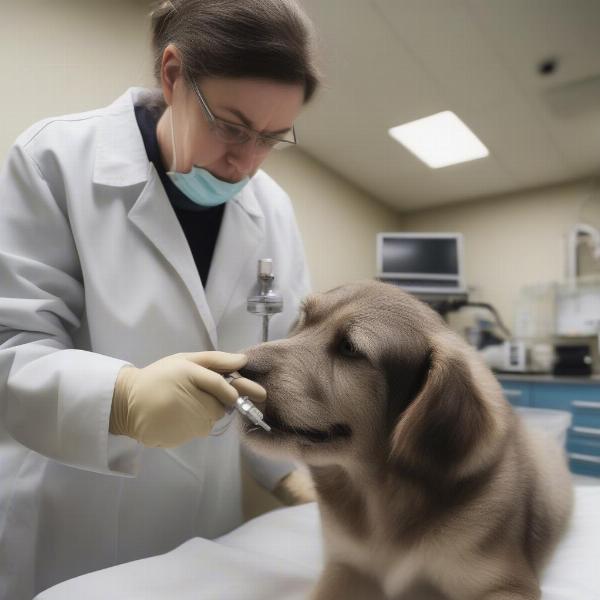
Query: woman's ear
446, 421
170, 70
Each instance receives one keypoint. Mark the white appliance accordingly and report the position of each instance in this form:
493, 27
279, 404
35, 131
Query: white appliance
519, 356
515, 356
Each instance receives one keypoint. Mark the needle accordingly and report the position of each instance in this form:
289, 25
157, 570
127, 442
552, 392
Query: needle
245, 407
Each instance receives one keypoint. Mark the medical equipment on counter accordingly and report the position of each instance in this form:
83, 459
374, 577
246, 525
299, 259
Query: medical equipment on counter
245, 407
266, 301
574, 360
535, 312
519, 356
578, 310
515, 356
576, 236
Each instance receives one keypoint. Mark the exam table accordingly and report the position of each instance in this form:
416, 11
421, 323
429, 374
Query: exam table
278, 556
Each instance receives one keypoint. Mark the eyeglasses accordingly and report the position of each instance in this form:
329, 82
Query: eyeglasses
234, 133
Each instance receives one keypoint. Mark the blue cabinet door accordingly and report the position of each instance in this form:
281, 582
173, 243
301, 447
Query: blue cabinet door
583, 402
586, 413
518, 393
562, 396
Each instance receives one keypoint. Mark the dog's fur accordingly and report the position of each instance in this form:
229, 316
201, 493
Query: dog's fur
425, 477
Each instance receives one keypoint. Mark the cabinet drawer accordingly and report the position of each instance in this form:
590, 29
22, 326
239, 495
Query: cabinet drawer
586, 413
581, 443
517, 393
583, 449
584, 464
563, 396
589, 433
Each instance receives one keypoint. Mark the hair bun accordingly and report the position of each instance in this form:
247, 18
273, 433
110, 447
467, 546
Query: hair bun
162, 11
161, 16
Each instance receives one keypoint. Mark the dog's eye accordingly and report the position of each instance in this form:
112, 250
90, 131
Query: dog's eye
347, 348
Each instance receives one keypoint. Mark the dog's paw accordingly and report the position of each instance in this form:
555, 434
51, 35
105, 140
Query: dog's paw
296, 488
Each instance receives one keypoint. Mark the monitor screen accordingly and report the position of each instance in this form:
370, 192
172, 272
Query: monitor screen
421, 262
433, 256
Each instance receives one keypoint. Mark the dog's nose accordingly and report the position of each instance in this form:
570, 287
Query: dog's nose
249, 373
245, 372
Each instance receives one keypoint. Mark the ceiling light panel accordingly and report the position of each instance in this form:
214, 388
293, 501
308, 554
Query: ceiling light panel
440, 140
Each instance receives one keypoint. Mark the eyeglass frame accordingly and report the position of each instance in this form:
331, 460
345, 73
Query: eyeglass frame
279, 143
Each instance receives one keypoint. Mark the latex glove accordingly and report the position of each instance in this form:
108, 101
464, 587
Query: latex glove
177, 398
296, 488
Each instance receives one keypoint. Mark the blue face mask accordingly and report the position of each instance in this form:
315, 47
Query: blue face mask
200, 186
205, 189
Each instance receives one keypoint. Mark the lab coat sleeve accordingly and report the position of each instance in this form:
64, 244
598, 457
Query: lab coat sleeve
54, 398
268, 471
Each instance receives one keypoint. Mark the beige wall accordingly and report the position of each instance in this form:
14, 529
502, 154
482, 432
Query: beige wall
64, 56
510, 241
338, 222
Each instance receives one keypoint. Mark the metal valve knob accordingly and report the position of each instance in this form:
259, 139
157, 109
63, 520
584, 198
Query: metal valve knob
265, 299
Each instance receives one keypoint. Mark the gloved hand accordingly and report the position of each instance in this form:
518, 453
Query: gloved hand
178, 397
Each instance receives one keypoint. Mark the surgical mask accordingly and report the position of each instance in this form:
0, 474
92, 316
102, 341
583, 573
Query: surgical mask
200, 186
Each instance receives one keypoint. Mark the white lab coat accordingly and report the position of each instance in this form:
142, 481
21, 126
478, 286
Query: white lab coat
96, 273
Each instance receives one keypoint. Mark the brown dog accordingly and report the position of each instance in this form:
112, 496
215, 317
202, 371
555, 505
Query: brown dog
426, 479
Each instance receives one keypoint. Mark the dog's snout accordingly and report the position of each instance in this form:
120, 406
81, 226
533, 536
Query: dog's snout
262, 360
250, 373
256, 369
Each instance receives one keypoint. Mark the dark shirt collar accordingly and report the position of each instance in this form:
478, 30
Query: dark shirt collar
147, 119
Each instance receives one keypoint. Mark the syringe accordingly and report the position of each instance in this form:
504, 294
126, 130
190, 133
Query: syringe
246, 407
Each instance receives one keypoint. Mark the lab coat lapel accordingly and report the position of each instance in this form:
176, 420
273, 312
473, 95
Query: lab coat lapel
153, 215
241, 234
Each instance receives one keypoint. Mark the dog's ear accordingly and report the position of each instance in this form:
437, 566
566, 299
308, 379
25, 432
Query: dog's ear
443, 425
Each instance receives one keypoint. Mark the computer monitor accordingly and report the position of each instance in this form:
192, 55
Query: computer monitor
425, 264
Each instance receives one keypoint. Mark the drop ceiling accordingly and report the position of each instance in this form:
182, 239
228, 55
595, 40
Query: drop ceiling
387, 62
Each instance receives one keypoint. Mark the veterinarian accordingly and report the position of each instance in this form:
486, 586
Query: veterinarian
129, 240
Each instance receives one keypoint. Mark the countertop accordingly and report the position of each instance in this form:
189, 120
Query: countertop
593, 379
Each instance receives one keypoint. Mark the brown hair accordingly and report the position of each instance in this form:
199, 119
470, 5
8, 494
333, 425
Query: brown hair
264, 39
